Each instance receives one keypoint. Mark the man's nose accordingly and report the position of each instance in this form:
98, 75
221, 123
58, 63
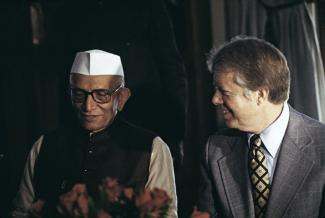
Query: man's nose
217, 98
90, 103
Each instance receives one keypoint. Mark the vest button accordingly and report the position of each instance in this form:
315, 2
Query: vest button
85, 170
90, 152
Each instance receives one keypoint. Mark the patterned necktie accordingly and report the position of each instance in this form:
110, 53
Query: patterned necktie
259, 175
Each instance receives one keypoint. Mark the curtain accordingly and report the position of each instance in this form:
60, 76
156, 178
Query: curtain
289, 25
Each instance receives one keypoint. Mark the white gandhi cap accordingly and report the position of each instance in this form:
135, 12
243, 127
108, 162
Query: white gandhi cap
97, 62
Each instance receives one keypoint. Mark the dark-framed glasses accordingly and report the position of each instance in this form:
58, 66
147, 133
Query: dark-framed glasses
100, 96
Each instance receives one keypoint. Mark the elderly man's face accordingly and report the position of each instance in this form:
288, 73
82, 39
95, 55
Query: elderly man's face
240, 109
94, 116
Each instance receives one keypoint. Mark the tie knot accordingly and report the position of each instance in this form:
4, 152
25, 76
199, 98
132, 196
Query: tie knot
256, 141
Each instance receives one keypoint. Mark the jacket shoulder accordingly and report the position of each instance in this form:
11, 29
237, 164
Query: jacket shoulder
222, 142
310, 127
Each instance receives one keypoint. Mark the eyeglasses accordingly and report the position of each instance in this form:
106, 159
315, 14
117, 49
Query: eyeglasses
100, 96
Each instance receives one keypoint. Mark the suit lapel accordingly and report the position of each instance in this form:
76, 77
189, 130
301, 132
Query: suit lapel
235, 178
292, 167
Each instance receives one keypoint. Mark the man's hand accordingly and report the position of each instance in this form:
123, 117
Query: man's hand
199, 214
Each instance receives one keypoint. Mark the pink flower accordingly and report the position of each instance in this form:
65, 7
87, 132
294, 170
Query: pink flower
153, 203
160, 198
82, 202
111, 188
144, 201
80, 189
128, 193
66, 202
75, 202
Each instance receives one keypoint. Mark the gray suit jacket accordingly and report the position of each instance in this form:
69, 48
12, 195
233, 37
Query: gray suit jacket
298, 184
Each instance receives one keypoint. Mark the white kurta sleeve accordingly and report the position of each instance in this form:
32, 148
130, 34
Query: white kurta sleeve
161, 173
26, 195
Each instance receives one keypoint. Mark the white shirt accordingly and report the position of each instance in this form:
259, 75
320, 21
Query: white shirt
161, 175
272, 138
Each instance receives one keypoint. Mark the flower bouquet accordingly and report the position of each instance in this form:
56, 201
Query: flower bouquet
115, 201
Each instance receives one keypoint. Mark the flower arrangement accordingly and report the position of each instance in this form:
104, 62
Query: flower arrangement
115, 201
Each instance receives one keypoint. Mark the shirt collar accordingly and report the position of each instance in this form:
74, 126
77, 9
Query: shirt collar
272, 136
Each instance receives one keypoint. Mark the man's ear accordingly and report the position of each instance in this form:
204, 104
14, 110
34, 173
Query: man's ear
263, 95
123, 97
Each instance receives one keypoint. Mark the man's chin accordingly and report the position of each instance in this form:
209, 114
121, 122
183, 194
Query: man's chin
91, 128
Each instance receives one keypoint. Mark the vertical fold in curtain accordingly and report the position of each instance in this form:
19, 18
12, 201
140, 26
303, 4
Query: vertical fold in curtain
289, 25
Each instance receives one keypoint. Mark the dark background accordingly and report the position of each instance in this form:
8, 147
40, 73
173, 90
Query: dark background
32, 80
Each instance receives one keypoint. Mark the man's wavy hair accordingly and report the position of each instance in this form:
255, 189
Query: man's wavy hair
256, 64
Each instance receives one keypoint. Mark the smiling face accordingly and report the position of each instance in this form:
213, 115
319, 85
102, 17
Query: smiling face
239, 106
95, 116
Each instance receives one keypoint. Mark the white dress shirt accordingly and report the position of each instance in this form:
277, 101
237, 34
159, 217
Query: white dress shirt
272, 138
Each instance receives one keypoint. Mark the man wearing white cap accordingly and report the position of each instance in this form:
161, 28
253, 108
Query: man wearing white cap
101, 145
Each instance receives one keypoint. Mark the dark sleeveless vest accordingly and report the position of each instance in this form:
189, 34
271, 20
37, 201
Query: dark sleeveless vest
69, 156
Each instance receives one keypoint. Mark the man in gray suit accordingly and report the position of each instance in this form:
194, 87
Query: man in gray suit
270, 162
